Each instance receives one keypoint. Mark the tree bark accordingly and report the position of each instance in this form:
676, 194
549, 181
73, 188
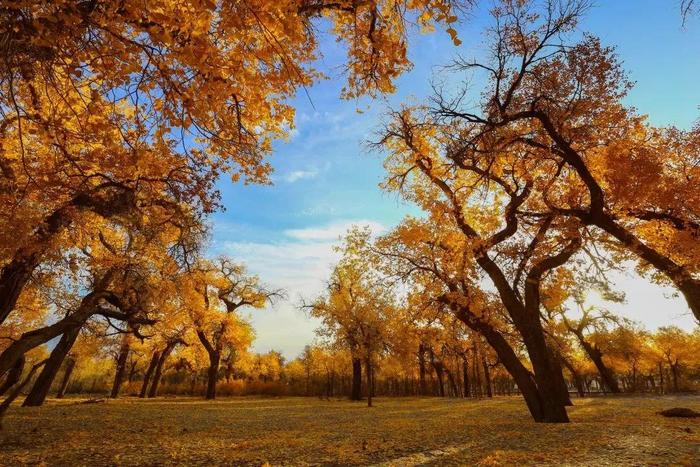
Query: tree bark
153, 392
521, 375
465, 375
13, 376
70, 365
421, 370
17, 390
674, 375
120, 372
212, 374
368, 369
149, 372
42, 385
437, 366
487, 376
606, 374
356, 391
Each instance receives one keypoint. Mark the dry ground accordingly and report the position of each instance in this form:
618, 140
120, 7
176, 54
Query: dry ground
299, 431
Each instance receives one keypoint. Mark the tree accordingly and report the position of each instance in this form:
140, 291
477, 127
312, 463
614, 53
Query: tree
677, 348
356, 310
596, 324
436, 254
131, 113
221, 289
557, 104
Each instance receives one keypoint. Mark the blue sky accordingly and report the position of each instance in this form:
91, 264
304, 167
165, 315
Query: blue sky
325, 179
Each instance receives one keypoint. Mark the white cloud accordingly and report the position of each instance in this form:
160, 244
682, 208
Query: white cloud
301, 264
332, 231
297, 175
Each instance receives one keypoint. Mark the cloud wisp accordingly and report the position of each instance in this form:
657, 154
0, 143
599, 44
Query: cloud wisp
301, 264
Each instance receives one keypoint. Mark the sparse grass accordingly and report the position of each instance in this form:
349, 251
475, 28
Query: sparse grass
300, 431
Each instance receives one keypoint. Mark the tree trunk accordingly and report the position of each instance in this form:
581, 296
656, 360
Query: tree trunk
17, 390
606, 374
578, 381
106, 201
437, 366
674, 375
421, 370
212, 374
368, 370
465, 375
42, 385
70, 365
31, 339
356, 391
13, 376
121, 367
149, 371
487, 376
521, 375
153, 392
453, 383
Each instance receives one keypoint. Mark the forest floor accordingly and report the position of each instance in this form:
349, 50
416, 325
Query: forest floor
307, 431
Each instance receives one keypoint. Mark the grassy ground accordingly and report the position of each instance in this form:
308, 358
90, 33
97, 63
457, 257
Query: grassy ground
299, 431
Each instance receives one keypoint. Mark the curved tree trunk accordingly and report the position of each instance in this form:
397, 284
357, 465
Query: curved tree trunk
89, 306
106, 200
521, 375
42, 385
606, 374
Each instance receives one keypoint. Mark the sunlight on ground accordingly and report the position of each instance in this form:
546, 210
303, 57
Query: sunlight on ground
298, 431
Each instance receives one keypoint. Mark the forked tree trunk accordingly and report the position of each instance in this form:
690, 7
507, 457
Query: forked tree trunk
674, 375
356, 391
578, 381
536, 403
439, 373
70, 365
149, 372
153, 392
42, 385
453, 383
